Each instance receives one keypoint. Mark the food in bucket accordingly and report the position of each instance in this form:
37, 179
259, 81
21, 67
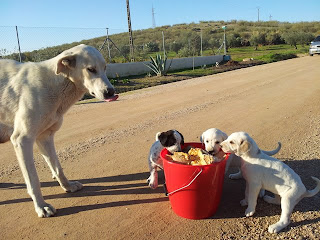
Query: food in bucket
195, 157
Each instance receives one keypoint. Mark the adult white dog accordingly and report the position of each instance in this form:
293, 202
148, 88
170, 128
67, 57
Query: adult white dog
33, 99
262, 171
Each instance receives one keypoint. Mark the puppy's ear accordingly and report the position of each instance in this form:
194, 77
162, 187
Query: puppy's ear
244, 147
163, 138
66, 64
182, 138
224, 136
201, 139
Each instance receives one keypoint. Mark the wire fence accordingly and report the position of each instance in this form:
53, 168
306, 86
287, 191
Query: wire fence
41, 43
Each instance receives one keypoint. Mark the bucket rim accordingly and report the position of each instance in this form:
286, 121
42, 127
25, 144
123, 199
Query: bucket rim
164, 157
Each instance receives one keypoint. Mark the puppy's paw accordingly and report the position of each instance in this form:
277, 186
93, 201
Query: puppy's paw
152, 182
249, 212
243, 202
235, 176
262, 193
74, 186
277, 227
45, 211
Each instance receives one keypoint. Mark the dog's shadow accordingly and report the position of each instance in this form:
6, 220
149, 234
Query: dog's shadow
128, 186
135, 183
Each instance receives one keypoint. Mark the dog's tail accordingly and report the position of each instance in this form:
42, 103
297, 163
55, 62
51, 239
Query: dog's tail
157, 136
311, 193
273, 152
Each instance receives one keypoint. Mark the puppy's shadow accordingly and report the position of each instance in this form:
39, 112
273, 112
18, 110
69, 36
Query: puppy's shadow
233, 193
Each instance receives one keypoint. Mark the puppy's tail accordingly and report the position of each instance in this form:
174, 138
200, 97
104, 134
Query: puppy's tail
157, 136
273, 152
311, 193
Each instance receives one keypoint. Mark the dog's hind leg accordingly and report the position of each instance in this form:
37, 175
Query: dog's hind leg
273, 200
46, 146
23, 146
287, 205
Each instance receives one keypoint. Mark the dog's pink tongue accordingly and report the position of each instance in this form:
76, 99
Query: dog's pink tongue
113, 98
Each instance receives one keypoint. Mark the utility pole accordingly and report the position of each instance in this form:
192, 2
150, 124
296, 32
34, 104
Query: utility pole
153, 19
270, 18
258, 13
164, 50
108, 45
201, 42
130, 33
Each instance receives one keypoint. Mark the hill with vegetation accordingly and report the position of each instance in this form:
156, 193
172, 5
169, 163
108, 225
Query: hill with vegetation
182, 40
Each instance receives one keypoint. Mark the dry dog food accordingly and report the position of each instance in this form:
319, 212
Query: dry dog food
195, 156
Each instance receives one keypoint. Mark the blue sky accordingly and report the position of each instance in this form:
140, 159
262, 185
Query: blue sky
99, 14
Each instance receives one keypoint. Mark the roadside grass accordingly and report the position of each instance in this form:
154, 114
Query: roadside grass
264, 54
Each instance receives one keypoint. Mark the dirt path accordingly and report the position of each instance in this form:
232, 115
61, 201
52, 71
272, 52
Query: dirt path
105, 146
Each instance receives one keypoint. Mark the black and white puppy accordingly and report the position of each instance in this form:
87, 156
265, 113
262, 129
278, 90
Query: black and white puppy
172, 141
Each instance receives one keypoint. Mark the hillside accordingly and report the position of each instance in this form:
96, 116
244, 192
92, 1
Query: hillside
183, 40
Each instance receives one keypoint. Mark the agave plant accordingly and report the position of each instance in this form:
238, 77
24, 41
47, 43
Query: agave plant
158, 65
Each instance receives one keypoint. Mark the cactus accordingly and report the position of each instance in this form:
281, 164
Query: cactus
158, 65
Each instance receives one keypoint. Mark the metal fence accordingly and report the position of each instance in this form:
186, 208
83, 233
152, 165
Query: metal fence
41, 43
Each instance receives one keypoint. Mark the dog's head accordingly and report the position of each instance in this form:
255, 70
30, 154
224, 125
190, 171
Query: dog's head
171, 140
86, 68
212, 138
240, 143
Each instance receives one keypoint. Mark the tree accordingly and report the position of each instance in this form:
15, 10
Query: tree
257, 38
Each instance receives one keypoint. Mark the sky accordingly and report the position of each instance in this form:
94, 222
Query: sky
40, 21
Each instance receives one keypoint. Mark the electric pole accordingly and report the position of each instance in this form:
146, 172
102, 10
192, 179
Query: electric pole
153, 19
130, 33
258, 12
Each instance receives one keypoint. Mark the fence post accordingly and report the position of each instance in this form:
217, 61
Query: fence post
18, 44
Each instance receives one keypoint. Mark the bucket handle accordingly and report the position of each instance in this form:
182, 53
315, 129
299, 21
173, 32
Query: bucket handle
179, 189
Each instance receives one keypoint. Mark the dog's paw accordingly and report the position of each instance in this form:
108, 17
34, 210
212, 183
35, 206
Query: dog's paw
262, 193
152, 183
45, 211
243, 202
249, 212
235, 176
74, 186
277, 227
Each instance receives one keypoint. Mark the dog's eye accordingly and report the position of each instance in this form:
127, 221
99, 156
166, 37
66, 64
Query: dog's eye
231, 142
217, 142
92, 70
207, 141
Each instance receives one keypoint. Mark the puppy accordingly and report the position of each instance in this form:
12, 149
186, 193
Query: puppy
212, 138
262, 171
172, 141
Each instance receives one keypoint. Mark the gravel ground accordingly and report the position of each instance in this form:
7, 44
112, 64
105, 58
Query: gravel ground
105, 146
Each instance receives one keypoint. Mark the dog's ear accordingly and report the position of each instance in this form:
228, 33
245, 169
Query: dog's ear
66, 64
224, 136
244, 147
163, 138
182, 138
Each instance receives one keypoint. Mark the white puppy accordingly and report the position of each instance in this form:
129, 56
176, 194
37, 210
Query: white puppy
263, 171
33, 99
172, 141
212, 138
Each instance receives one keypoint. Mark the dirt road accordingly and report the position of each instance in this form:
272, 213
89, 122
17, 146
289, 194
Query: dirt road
105, 146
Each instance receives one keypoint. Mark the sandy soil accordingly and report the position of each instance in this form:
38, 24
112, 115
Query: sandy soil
105, 146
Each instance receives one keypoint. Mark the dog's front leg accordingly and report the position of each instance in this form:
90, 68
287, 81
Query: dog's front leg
24, 150
253, 193
45, 143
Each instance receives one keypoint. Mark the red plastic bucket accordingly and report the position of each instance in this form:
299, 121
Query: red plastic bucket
194, 191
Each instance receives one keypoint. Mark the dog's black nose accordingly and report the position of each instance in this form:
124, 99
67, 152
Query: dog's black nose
108, 93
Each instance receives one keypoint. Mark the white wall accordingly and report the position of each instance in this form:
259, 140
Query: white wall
139, 68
